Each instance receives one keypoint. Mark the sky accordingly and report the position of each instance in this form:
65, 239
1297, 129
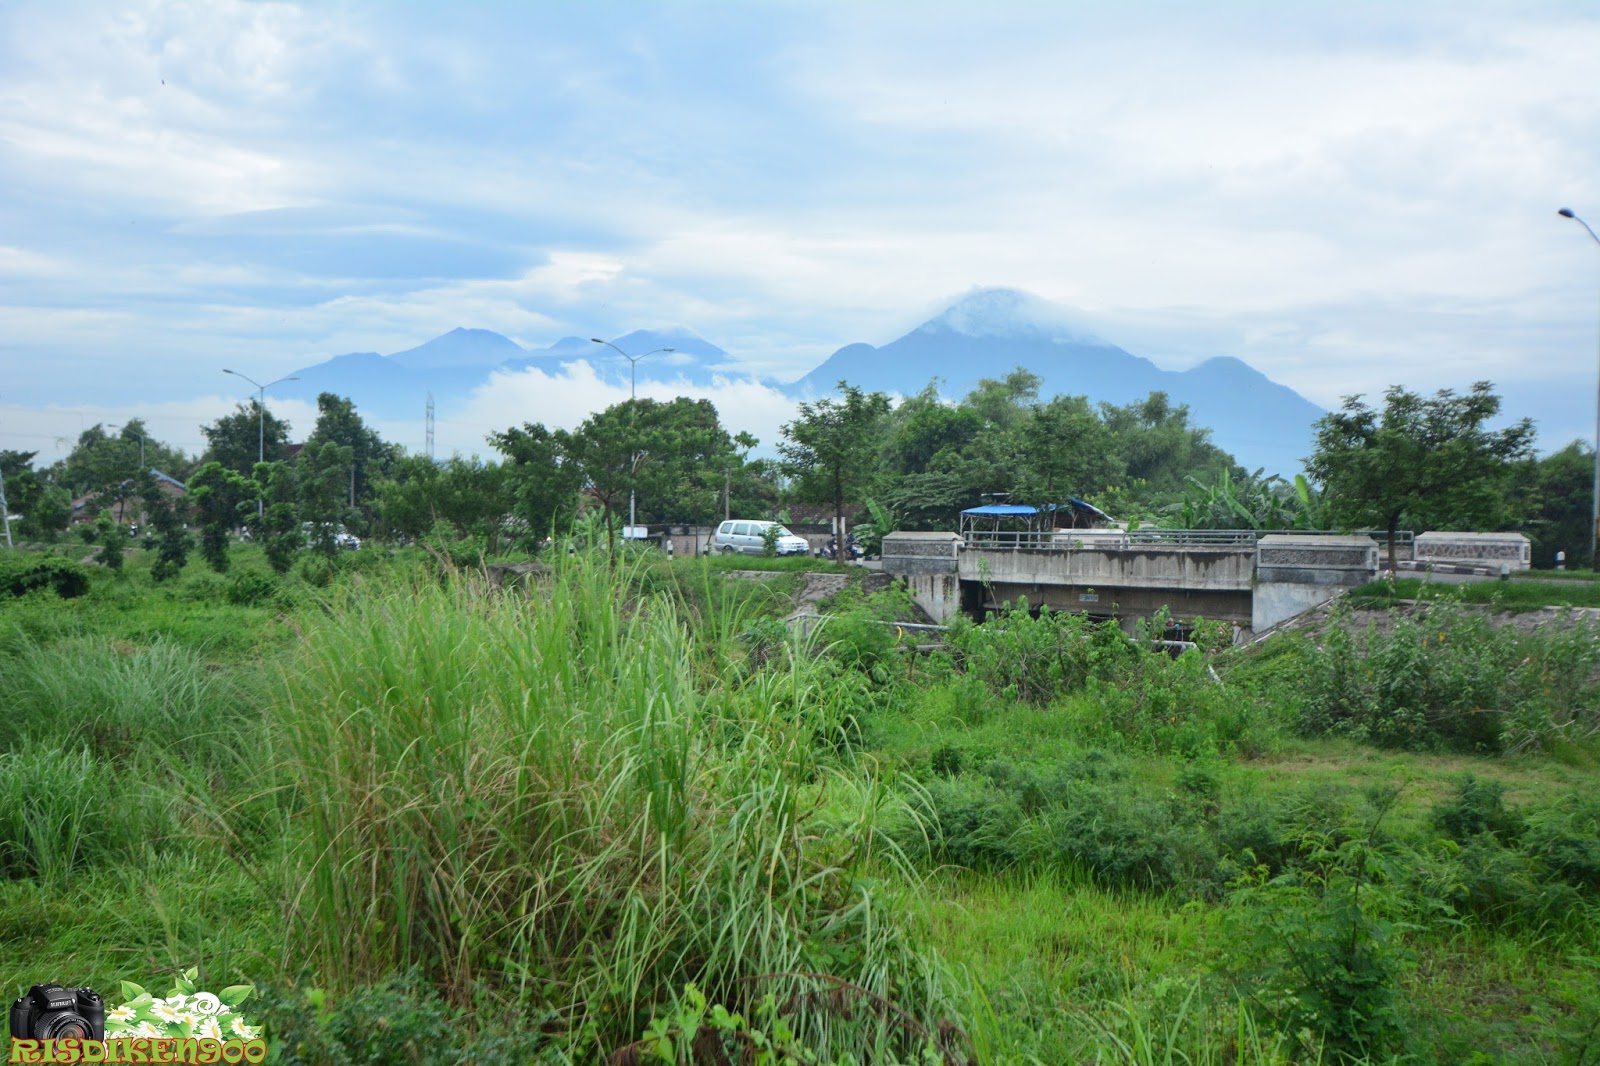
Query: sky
1347, 196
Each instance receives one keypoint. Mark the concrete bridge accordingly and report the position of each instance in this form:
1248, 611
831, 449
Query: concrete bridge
1252, 580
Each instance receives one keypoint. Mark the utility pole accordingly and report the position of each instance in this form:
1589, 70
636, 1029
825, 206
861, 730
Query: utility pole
141, 446
5, 509
727, 486
429, 431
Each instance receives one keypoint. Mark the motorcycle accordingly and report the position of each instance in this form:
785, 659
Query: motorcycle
852, 548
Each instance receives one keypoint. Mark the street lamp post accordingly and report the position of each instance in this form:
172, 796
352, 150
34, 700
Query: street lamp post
141, 445
633, 367
261, 421
1594, 497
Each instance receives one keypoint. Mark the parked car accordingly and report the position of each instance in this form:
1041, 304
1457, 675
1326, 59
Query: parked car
750, 539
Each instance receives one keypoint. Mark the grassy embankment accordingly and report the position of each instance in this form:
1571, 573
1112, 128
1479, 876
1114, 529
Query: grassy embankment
1523, 591
412, 797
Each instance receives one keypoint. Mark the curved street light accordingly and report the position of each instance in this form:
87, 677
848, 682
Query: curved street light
633, 366
1594, 495
261, 420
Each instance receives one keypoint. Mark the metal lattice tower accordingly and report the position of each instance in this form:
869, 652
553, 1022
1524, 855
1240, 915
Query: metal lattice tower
429, 434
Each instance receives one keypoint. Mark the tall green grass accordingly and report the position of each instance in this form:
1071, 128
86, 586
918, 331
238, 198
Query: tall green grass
533, 795
116, 697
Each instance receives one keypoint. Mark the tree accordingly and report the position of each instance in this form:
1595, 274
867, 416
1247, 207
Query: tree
234, 440
686, 458
1249, 502
172, 539
279, 523
370, 454
675, 457
1063, 448
542, 481
24, 490
1156, 445
217, 495
107, 464
831, 449
113, 538
1562, 485
1431, 461
468, 494
324, 471
922, 427
101, 464
1001, 402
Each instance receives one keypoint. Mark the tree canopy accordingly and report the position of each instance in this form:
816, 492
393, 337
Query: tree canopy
1429, 461
235, 440
831, 448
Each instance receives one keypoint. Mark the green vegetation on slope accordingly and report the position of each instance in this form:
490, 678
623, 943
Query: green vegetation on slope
438, 821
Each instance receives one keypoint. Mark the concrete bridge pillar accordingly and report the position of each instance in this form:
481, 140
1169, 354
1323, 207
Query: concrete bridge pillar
1295, 574
927, 562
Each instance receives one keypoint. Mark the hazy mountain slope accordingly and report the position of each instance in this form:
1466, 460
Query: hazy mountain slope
985, 334
992, 331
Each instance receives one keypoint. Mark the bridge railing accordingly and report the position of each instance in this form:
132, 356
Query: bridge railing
1112, 540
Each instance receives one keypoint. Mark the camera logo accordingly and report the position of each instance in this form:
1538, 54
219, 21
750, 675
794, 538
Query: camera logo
56, 1024
52, 1012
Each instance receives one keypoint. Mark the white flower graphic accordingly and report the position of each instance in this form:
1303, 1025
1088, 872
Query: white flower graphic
160, 1010
209, 1030
119, 1015
243, 1031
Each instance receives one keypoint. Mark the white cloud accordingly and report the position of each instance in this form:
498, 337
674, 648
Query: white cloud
563, 400
1342, 197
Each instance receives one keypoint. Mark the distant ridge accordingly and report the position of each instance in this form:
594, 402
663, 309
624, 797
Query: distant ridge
990, 332
985, 334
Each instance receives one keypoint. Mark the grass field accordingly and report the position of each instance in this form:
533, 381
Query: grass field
626, 812
1525, 591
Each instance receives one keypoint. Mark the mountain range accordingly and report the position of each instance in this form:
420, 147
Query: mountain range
986, 334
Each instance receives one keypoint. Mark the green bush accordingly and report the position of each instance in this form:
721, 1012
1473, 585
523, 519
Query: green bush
251, 588
1479, 807
401, 1020
315, 570
1564, 839
970, 823
1035, 658
1319, 948
1451, 678
21, 574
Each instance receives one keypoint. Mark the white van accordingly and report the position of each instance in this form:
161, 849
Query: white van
748, 537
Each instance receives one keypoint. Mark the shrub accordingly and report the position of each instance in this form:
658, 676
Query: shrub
20, 575
251, 588
971, 823
1453, 679
400, 1020
315, 570
1564, 839
1479, 807
1320, 947
1035, 658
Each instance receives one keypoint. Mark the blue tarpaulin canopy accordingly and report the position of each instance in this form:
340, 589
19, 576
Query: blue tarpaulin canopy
1022, 510
1008, 510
